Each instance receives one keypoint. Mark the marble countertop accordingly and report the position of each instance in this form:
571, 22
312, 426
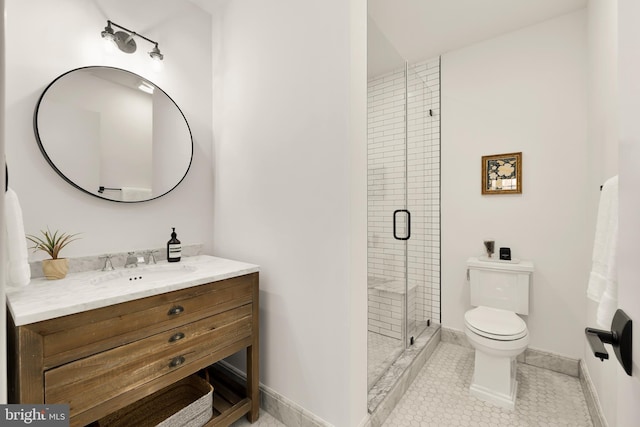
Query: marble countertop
44, 299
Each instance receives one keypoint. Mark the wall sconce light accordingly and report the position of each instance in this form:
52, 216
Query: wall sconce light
125, 40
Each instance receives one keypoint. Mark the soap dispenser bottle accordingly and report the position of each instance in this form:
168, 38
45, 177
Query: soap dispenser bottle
174, 249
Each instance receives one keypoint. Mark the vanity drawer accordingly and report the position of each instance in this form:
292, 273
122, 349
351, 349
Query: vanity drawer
80, 335
149, 364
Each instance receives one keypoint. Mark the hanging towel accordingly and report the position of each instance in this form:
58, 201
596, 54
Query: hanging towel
603, 280
135, 194
18, 269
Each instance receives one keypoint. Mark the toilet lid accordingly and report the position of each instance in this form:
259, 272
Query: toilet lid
495, 323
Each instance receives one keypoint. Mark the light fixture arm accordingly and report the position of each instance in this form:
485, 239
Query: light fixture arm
155, 53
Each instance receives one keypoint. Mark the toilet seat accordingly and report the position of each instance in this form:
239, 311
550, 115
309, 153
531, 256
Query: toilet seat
495, 324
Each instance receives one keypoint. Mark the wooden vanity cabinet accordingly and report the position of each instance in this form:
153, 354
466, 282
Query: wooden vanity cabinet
101, 360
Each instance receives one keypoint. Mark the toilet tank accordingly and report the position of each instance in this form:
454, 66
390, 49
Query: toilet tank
500, 284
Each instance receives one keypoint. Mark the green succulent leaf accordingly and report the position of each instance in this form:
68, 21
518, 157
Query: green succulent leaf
51, 243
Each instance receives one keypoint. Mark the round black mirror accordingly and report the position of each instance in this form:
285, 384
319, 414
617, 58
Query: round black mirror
113, 134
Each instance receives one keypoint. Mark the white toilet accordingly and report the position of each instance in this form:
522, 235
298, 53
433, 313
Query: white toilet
499, 290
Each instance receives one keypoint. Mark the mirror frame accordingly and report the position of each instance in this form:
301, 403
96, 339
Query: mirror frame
46, 156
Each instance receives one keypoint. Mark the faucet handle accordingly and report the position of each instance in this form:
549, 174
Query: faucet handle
108, 265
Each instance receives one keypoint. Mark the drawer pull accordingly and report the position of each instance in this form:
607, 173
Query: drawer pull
176, 310
176, 361
176, 337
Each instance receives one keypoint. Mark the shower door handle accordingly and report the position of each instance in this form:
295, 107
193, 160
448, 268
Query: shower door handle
395, 215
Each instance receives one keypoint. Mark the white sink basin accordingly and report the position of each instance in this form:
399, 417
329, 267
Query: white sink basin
146, 274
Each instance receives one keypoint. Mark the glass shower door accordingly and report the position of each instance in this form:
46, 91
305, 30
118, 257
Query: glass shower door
388, 221
420, 200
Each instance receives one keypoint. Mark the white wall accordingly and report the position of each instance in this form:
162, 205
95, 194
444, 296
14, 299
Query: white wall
290, 190
64, 35
603, 150
628, 387
523, 91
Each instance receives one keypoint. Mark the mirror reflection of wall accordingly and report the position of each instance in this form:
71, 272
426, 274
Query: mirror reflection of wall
169, 157
105, 127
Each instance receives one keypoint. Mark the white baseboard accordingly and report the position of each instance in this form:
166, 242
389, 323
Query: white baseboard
284, 410
531, 356
590, 395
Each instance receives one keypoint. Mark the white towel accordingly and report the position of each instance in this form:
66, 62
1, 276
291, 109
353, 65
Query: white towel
18, 269
135, 194
603, 280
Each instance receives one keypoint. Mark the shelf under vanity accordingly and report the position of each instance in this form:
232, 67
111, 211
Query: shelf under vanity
100, 341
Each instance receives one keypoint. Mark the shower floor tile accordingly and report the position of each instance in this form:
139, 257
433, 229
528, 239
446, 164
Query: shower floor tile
381, 352
439, 396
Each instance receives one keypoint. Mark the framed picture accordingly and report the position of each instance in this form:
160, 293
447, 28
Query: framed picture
502, 174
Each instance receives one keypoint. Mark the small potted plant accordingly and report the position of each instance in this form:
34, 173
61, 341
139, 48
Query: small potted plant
52, 244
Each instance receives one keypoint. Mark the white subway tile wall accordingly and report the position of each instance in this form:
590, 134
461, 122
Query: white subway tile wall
387, 308
404, 174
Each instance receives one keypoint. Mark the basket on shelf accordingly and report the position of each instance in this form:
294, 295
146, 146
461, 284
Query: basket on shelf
187, 403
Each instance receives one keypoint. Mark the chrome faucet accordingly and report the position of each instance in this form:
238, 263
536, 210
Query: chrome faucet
132, 260
150, 257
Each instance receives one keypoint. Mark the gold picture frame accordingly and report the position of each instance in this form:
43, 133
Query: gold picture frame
502, 174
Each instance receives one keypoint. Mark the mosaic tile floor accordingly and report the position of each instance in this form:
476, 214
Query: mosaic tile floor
264, 420
439, 396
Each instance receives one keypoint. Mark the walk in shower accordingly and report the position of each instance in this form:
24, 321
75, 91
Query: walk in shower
403, 209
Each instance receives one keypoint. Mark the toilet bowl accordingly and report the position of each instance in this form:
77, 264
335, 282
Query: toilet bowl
494, 330
498, 336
